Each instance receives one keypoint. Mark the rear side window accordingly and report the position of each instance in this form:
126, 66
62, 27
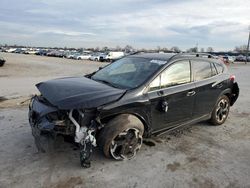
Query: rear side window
219, 68
201, 70
214, 72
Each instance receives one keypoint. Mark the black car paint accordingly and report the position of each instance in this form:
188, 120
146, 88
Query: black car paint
160, 110
145, 105
78, 93
2, 61
84, 93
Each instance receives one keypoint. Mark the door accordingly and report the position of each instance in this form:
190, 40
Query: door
172, 96
208, 86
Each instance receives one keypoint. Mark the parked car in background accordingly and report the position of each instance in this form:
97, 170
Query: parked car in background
42, 52
31, 51
231, 59
19, 51
134, 97
111, 56
10, 50
2, 61
228, 59
225, 60
70, 55
56, 53
240, 58
97, 56
102, 57
83, 56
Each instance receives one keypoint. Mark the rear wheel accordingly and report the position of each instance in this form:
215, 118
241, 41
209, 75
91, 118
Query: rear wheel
121, 138
221, 111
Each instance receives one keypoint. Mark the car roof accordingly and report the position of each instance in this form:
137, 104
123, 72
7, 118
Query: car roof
167, 56
157, 56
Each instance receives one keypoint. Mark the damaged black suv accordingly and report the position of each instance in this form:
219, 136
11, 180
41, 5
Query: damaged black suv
130, 99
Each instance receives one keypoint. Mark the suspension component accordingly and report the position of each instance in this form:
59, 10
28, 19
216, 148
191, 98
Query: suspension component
84, 136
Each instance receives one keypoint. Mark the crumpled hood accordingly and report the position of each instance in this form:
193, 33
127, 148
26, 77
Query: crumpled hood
78, 92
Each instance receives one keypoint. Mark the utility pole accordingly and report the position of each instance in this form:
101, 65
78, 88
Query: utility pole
248, 44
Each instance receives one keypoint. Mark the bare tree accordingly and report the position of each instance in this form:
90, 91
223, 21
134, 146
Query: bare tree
165, 49
80, 50
105, 48
194, 49
158, 48
210, 49
118, 48
97, 49
175, 49
241, 49
128, 48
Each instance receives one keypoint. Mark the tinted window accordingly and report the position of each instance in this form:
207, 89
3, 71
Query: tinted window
219, 68
176, 74
156, 84
201, 70
214, 72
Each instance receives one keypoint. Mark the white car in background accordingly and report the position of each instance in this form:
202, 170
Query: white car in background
11, 50
111, 56
96, 56
231, 59
83, 57
71, 55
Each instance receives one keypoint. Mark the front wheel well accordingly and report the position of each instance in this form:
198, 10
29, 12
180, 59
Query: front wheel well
141, 119
228, 95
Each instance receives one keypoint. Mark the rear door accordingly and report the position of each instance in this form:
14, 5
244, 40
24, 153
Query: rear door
172, 96
208, 85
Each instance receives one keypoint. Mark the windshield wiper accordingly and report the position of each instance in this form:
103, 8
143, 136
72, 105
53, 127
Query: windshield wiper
106, 82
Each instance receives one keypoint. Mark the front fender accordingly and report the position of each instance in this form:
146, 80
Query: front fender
145, 120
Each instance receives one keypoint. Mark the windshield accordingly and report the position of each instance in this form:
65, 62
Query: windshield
129, 72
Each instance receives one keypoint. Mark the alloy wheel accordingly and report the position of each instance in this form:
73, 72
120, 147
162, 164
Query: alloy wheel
222, 110
126, 144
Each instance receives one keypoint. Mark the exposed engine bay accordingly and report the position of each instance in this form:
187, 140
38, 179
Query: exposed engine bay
45, 119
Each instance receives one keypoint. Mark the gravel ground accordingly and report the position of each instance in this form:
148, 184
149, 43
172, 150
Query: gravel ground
199, 156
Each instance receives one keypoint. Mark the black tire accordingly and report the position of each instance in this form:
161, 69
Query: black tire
1, 63
220, 111
121, 138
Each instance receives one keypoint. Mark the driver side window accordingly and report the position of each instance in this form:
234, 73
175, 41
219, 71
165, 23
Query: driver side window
176, 74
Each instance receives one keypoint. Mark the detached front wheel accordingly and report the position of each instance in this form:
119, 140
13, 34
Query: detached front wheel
121, 138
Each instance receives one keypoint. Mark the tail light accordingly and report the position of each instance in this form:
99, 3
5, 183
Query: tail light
232, 78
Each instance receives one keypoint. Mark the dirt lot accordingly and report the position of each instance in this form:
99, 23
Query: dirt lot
200, 156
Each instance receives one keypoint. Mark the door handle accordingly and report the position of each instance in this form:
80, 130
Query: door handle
191, 93
164, 106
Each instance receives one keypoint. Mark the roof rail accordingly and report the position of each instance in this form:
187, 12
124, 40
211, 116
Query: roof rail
198, 54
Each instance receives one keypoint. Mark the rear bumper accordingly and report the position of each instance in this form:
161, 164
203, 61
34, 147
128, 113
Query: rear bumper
235, 93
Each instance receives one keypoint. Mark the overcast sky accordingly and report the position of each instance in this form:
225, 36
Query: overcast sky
222, 24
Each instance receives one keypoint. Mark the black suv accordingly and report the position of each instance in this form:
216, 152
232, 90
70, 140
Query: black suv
2, 61
134, 97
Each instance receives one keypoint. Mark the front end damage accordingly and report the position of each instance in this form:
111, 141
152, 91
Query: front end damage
46, 119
